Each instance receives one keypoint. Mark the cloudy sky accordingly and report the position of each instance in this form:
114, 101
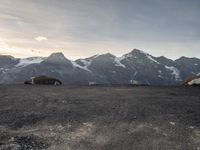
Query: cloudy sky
81, 28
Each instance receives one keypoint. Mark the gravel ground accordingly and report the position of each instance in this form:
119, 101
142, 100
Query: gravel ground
99, 118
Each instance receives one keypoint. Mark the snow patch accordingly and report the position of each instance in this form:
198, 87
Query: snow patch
122, 58
28, 61
153, 60
85, 62
118, 63
142, 52
174, 70
172, 123
4, 70
129, 55
79, 66
135, 73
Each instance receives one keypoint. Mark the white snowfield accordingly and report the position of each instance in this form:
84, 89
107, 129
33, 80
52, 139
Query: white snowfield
174, 70
86, 63
79, 66
194, 81
28, 61
153, 60
4, 70
118, 63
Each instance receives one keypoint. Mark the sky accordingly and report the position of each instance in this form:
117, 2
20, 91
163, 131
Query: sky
82, 28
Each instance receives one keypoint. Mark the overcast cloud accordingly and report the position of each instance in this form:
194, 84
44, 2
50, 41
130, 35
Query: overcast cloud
83, 28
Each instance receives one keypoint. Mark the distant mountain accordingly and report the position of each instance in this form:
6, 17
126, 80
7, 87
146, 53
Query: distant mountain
136, 66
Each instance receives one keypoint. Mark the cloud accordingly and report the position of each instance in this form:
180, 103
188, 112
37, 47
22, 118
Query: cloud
41, 38
122, 26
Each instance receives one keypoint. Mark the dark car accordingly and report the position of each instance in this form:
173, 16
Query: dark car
43, 80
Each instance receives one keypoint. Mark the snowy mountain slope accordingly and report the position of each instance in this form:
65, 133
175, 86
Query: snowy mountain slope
188, 66
136, 66
28, 61
76, 65
118, 63
175, 71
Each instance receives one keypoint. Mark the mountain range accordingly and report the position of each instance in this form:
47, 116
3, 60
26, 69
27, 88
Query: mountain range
134, 67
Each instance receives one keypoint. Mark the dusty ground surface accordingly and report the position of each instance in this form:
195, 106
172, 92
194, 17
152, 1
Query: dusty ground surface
99, 118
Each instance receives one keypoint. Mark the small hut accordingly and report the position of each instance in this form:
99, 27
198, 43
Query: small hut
91, 83
134, 82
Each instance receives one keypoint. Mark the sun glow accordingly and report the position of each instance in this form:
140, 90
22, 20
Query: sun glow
5, 49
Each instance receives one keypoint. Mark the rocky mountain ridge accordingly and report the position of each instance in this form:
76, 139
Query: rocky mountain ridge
136, 66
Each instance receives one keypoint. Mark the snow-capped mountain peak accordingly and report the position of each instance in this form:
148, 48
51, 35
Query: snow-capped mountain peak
103, 69
58, 55
57, 58
138, 54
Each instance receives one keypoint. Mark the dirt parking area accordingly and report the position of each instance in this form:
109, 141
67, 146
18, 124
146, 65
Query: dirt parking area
99, 118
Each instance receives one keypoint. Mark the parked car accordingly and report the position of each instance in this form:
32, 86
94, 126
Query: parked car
43, 80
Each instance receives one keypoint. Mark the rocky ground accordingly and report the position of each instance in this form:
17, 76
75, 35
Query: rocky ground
99, 118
